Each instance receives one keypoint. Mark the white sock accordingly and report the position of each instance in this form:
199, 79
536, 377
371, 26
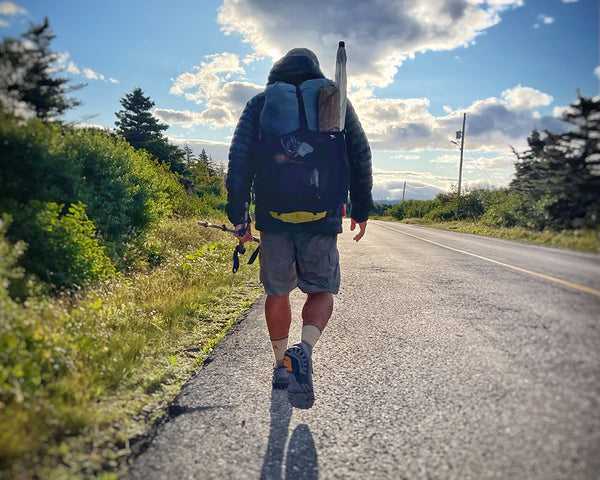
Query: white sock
279, 348
310, 335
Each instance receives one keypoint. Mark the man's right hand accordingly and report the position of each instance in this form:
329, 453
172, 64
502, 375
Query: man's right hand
246, 236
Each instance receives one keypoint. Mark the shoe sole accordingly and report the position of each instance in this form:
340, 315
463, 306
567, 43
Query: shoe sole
300, 394
281, 385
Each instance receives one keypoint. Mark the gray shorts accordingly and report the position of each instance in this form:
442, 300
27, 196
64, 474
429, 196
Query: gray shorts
306, 260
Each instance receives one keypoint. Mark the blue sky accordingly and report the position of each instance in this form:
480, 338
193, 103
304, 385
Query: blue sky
414, 67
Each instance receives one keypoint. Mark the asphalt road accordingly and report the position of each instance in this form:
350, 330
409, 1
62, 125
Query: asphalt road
449, 356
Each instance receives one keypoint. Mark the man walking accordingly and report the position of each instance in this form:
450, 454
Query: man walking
298, 249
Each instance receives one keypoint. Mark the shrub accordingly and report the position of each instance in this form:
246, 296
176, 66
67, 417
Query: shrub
467, 207
411, 209
30, 353
502, 209
63, 248
124, 191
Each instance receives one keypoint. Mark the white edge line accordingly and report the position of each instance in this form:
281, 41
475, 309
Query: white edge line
582, 288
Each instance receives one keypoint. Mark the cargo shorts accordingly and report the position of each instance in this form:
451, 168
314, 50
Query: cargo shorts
306, 260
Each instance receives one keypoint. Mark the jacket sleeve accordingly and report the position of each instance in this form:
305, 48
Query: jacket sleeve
240, 170
359, 158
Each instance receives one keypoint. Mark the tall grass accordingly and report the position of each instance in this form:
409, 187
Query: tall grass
585, 240
91, 370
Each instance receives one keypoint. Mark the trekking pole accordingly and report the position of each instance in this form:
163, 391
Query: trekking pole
225, 229
239, 249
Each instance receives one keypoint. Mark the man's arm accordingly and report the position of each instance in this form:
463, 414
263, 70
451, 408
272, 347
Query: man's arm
361, 176
240, 171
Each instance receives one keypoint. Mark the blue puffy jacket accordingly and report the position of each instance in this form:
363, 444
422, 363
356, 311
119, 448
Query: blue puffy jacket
296, 67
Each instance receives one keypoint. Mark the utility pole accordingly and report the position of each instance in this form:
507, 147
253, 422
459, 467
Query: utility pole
403, 190
460, 134
462, 144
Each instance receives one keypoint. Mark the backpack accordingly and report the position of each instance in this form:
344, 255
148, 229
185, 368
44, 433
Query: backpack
302, 172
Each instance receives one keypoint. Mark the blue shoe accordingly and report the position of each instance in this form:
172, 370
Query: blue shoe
281, 378
298, 362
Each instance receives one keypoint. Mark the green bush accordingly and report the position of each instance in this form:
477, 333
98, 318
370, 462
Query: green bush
124, 191
63, 248
30, 353
502, 209
411, 209
466, 207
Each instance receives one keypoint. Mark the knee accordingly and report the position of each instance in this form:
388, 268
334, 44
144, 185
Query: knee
278, 299
320, 297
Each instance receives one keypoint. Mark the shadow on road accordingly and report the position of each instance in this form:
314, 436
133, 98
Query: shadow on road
301, 459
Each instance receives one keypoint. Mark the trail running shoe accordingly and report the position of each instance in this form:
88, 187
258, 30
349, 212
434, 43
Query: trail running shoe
281, 378
298, 362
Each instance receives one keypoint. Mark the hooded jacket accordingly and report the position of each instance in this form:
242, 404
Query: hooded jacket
297, 66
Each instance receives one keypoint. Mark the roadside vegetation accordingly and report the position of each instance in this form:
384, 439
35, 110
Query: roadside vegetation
111, 294
553, 199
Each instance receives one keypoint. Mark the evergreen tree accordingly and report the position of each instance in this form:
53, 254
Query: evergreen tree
188, 154
143, 131
558, 177
204, 177
28, 76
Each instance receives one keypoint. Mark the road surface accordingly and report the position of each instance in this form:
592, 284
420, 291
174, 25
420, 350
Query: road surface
449, 356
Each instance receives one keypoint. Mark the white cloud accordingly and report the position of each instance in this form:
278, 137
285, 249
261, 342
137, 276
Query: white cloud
492, 124
90, 74
185, 118
543, 20
597, 71
206, 79
558, 111
11, 8
485, 183
64, 64
528, 98
499, 163
391, 124
388, 185
380, 34
218, 151
218, 84
569, 1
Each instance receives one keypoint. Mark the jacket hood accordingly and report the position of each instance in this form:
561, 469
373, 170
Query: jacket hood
298, 65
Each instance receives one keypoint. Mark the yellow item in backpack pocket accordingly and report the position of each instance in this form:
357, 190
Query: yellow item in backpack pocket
299, 217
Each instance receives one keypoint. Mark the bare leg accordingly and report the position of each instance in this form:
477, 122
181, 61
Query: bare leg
317, 309
315, 315
279, 317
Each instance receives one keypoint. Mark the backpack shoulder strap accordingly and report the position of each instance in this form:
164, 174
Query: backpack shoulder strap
301, 109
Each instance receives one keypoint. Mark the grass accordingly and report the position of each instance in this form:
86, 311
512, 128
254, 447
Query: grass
584, 240
117, 354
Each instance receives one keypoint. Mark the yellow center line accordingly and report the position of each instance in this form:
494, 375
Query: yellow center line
576, 286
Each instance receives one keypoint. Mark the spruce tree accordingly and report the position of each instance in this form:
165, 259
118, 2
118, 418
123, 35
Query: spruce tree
558, 177
143, 130
29, 84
